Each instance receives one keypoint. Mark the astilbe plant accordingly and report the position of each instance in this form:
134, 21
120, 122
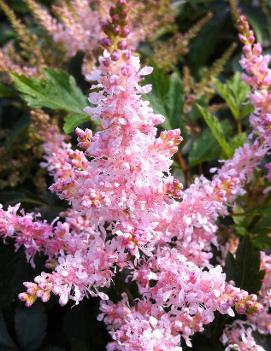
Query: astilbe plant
66, 35
71, 30
258, 76
129, 216
75, 26
30, 60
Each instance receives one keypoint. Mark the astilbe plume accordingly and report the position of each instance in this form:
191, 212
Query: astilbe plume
78, 25
10, 62
127, 211
144, 18
32, 53
30, 60
235, 10
258, 76
240, 335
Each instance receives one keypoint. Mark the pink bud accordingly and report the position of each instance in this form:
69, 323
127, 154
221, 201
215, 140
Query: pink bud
116, 29
125, 32
127, 55
121, 3
115, 18
105, 62
122, 45
106, 42
115, 56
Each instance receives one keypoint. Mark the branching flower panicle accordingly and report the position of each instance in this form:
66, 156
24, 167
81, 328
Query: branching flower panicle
128, 212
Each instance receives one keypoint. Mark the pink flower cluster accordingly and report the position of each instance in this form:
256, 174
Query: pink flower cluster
239, 335
78, 27
7, 64
258, 76
29, 232
147, 326
127, 211
193, 220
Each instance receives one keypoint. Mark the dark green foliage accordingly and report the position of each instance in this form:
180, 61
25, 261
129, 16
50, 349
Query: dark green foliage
244, 269
204, 147
217, 130
6, 342
167, 98
30, 326
56, 90
235, 92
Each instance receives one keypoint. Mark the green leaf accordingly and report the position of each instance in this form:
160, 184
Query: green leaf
260, 241
160, 86
30, 326
244, 269
239, 215
235, 92
216, 129
71, 121
262, 229
258, 222
258, 23
246, 109
13, 273
174, 101
6, 91
6, 343
167, 98
18, 131
56, 90
24, 197
238, 141
204, 147
76, 327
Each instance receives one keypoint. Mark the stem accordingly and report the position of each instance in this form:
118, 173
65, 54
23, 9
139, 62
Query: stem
239, 126
184, 167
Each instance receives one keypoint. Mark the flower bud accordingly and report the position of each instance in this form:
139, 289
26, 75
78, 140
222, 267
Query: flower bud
115, 55
122, 45
116, 29
115, 19
106, 42
125, 32
121, 3
126, 55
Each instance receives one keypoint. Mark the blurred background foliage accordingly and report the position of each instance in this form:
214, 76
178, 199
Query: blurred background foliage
197, 86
